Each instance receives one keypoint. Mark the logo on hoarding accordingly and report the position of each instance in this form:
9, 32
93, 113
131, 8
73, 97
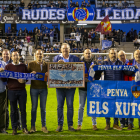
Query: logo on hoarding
80, 14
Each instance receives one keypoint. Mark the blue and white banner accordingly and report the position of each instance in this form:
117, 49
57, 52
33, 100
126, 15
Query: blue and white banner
106, 44
113, 67
118, 99
26, 76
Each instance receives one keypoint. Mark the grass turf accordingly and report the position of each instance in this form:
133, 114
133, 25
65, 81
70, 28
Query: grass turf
51, 123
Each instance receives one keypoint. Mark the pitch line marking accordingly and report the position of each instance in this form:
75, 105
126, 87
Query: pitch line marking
74, 135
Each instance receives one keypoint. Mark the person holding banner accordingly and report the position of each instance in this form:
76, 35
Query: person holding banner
17, 92
87, 59
135, 61
3, 101
38, 88
67, 93
112, 75
7, 60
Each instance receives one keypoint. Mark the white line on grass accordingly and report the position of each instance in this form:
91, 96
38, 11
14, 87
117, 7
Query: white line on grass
37, 135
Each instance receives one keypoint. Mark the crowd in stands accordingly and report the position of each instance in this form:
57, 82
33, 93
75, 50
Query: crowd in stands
32, 5
113, 4
83, 4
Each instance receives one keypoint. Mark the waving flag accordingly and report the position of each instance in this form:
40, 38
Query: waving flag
105, 26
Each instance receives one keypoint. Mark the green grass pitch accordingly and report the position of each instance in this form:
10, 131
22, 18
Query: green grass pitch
51, 123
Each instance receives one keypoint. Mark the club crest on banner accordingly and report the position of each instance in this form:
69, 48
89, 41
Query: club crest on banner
80, 14
135, 91
38, 76
96, 90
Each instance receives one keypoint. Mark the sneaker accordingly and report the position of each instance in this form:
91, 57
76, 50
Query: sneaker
59, 128
78, 128
44, 129
117, 127
70, 128
14, 132
33, 129
94, 127
107, 127
25, 131
130, 127
3, 131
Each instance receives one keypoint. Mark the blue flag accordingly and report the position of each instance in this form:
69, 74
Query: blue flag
106, 44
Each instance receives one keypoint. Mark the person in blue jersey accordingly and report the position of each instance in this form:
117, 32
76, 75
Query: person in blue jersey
63, 93
87, 59
51, 37
3, 101
93, 37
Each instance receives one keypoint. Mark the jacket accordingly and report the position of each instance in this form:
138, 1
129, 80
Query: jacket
72, 58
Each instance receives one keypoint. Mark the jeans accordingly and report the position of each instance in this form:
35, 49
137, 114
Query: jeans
17, 96
3, 102
61, 95
51, 41
82, 100
115, 120
34, 99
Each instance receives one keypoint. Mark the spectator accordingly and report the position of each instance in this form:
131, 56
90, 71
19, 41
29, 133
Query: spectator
75, 50
113, 43
28, 38
118, 37
29, 6
136, 43
3, 8
1, 33
56, 50
19, 47
51, 36
80, 50
92, 49
93, 36
124, 37
13, 31
20, 33
84, 3
104, 5
96, 50
120, 5
8, 31
11, 8
77, 4
89, 37
43, 46
22, 4
45, 38
125, 4
78, 39
71, 4
30, 48
85, 37
37, 5
88, 4
25, 32
17, 9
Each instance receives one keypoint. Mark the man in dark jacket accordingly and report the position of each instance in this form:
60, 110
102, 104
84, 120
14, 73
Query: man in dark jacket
116, 75
85, 37
87, 59
63, 93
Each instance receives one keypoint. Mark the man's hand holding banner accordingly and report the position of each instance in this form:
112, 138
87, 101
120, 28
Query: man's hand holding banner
118, 99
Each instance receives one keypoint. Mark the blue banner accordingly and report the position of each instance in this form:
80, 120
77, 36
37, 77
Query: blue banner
26, 76
118, 99
106, 44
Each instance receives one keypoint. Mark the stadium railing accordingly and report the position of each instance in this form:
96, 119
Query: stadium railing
48, 57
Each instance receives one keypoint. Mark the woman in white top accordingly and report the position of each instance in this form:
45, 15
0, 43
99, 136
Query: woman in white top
78, 39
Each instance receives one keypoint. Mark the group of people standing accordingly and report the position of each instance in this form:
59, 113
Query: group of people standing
16, 90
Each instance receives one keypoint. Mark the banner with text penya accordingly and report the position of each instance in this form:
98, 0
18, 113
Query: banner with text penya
118, 99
